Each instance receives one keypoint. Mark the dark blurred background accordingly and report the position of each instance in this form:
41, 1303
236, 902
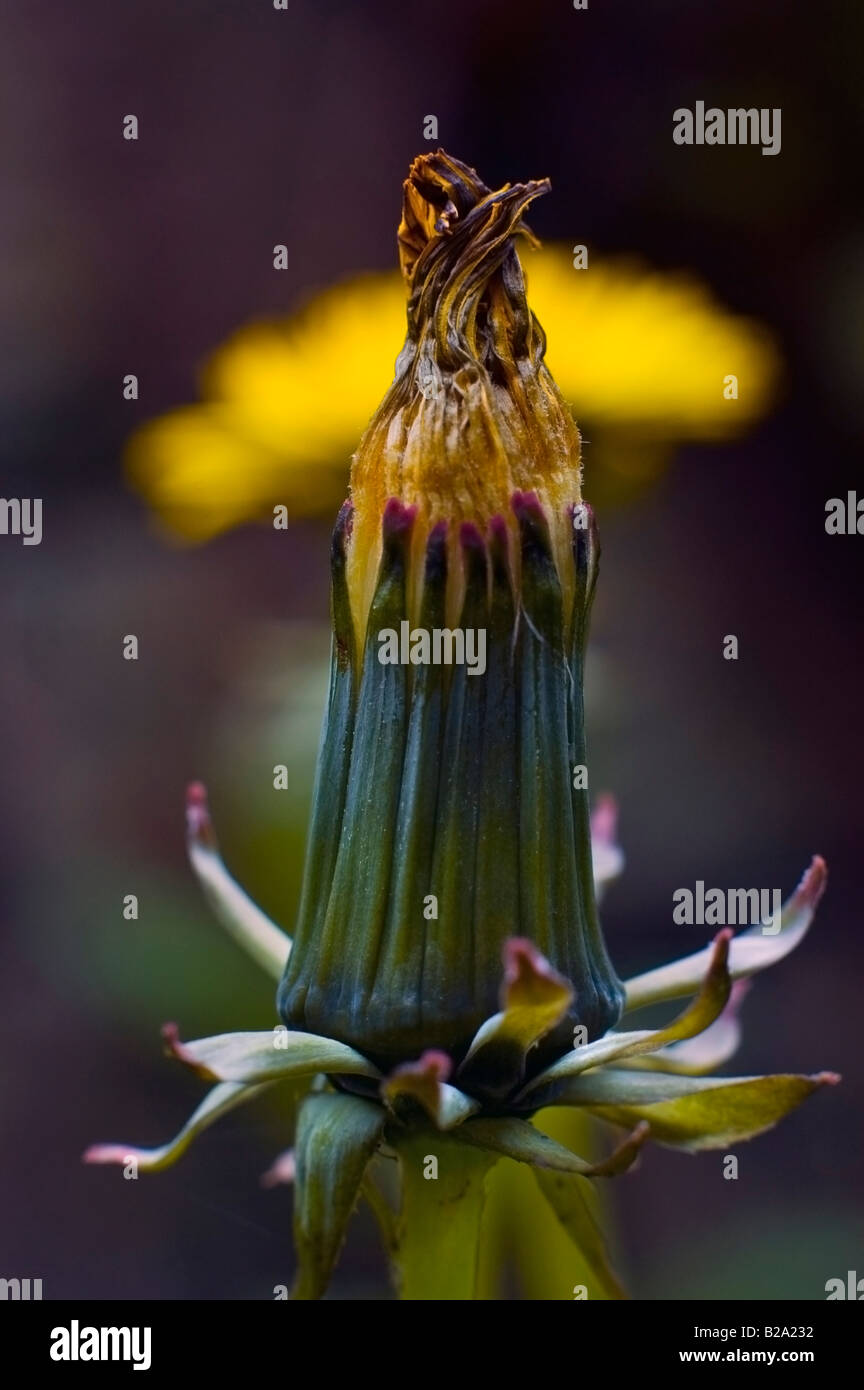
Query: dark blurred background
260, 127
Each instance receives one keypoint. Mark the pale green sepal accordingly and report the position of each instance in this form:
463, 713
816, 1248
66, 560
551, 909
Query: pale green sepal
266, 943
535, 999
269, 1056
751, 950
703, 1054
336, 1137
519, 1140
699, 1015
422, 1084
691, 1113
215, 1104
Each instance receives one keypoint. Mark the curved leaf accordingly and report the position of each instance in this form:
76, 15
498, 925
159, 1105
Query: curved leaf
705, 1053
607, 857
266, 943
423, 1083
535, 999
215, 1104
705, 1008
268, 1056
751, 950
689, 1112
519, 1140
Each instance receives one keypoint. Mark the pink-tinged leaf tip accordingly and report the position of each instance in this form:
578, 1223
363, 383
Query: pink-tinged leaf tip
625, 1155
719, 963
108, 1153
522, 960
530, 979
199, 827
812, 885
170, 1034
432, 1063
175, 1048
281, 1172
431, 1069
604, 820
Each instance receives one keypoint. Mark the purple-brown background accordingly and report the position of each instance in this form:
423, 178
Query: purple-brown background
260, 127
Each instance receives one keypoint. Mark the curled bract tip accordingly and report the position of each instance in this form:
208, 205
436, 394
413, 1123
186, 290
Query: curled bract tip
604, 819
433, 1064
106, 1153
813, 883
173, 1047
199, 826
525, 965
281, 1172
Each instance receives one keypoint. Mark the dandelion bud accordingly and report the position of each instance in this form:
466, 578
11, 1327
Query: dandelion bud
446, 818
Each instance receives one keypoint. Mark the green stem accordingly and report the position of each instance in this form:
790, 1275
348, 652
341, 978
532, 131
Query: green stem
439, 1222
383, 1213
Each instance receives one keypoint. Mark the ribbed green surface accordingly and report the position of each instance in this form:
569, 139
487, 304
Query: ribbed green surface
397, 990
331, 780
586, 557
434, 781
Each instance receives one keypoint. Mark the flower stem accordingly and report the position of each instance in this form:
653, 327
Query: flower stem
443, 1192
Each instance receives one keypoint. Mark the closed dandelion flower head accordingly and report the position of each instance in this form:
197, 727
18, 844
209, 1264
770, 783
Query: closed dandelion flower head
448, 977
449, 821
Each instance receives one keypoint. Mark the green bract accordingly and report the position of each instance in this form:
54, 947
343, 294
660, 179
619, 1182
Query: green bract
446, 821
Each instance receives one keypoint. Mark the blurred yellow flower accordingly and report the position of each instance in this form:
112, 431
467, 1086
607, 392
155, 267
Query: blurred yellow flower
644, 357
